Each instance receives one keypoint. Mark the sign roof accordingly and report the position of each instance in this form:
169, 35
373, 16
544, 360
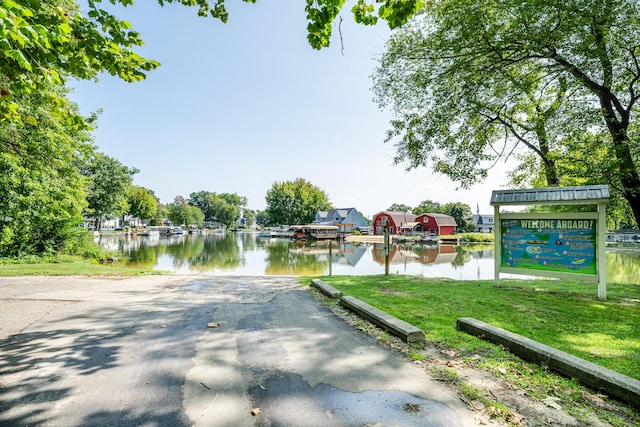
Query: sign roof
587, 195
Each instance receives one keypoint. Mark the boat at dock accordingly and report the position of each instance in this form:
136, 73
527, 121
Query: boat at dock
276, 233
315, 232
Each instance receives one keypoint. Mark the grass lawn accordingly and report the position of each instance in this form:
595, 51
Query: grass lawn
68, 266
564, 315
567, 316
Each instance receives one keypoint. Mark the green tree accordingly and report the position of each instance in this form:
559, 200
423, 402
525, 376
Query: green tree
262, 217
225, 213
249, 216
585, 158
142, 203
46, 42
585, 50
161, 214
294, 202
399, 207
195, 216
177, 211
42, 194
180, 212
460, 212
427, 206
204, 200
321, 15
224, 208
459, 119
229, 212
234, 199
109, 183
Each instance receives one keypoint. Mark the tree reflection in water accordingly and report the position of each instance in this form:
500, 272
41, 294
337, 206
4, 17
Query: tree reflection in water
245, 253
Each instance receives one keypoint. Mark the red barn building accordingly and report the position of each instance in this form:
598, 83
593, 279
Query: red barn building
433, 224
395, 220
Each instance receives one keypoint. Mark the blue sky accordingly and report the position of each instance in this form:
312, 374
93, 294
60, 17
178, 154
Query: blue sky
236, 107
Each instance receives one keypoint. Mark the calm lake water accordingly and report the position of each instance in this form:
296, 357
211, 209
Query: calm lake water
248, 254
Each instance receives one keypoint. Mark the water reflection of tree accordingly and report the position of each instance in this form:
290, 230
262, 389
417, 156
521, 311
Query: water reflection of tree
249, 241
181, 249
144, 254
465, 253
462, 257
281, 260
623, 267
221, 252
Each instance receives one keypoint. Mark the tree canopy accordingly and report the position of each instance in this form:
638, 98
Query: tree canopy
142, 203
42, 193
225, 208
108, 187
47, 42
470, 80
399, 207
294, 202
180, 212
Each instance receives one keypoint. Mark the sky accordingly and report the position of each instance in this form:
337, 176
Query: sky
236, 107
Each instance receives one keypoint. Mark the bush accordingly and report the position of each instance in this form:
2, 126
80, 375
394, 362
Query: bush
476, 237
82, 244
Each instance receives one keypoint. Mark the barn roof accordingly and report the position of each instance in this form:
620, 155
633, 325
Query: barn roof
443, 219
399, 217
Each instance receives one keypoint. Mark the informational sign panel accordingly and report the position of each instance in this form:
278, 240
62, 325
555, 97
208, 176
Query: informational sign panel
552, 244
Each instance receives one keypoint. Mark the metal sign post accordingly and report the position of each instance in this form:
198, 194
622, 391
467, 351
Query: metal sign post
386, 248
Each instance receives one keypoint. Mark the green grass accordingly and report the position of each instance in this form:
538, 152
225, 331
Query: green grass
67, 266
564, 315
476, 237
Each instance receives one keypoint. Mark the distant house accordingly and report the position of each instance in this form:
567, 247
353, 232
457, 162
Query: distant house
347, 219
395, 220
623, 236
90, 223
482, 223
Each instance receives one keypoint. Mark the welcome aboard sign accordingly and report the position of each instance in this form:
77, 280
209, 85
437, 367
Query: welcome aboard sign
567, 245
563, 245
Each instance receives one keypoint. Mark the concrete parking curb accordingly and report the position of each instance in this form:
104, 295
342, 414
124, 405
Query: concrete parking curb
389, 323
624, 388
328, 290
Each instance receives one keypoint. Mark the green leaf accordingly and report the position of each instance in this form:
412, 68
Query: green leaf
18, 56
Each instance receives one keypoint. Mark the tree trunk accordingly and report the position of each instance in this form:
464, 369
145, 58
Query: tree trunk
549, 165
628, 175
627, 171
